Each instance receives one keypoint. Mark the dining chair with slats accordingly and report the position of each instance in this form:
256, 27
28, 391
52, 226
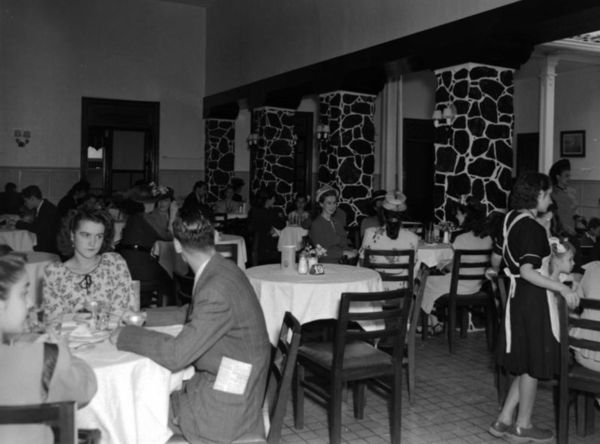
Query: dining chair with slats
574, 376
60, 416
466, 269
229, 251
351, 357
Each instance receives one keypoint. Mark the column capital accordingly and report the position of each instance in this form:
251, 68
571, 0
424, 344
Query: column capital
548, 65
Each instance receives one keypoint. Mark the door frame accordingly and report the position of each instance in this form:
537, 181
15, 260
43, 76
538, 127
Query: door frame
116, 114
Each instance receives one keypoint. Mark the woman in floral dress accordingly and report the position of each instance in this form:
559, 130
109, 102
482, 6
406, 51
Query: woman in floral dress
92, 272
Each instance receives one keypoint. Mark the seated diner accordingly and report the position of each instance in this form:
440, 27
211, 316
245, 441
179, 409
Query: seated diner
328, 227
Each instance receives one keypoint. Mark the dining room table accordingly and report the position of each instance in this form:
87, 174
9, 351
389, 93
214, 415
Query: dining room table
132, 401
18, 240
172, 261
311, 297
431, 254
291, 235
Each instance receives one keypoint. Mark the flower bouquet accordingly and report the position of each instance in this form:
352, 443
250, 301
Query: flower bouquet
309, 257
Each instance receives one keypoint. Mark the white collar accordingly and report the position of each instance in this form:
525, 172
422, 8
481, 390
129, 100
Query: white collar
198, 273
37, 210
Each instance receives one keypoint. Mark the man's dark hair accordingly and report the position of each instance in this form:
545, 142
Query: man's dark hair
32, 191
10, 186
594, 223
200, 184
193, 230
82, 185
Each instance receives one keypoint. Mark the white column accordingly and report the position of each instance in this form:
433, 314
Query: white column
547, 75
391, 134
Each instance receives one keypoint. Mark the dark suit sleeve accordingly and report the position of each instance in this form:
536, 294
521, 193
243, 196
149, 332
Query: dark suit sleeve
29, 226
211, 319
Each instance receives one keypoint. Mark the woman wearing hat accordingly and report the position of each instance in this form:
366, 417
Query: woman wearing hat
328, 227
565, 199
472, 218
376, 219
140, 234
390, 236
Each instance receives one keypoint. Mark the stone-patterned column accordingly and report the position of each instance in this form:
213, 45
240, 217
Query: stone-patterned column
272, 158
347, 161
474, 154
219, 158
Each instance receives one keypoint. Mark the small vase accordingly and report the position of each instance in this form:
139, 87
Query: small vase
302, 266
312, 261
446, 239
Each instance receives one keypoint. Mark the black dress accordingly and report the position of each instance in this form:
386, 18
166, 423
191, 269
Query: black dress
534, 349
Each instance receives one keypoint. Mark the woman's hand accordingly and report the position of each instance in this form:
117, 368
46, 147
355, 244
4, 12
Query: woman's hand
443, 264
571, 297
490, 273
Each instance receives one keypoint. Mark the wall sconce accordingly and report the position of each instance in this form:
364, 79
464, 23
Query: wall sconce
22, 138
448, 114
323, 132
253, 140
294, 140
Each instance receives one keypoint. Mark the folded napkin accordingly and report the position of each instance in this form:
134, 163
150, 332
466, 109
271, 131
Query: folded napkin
82, 331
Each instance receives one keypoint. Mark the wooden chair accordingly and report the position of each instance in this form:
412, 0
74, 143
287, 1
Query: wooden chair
392, 260
351, 358
283, 363
220, 222
184, 286
229, 251
575, 376
60, 416
464, 269
503, 378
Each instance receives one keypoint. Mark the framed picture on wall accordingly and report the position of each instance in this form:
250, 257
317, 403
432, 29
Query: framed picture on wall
572, 144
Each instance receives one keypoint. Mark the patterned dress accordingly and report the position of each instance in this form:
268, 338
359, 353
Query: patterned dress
377, 239
67, 292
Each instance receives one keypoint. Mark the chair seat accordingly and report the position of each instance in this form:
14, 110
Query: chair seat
357, 354
584, 375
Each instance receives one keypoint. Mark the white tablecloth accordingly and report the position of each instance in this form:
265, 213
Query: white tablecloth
291, 236
18, 240
310, 297
36, 262
430, 255
132, 402
172, 261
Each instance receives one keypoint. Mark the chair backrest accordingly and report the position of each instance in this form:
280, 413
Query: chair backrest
393, 332
280, 378
415, 227
400, 261
229, 251
58, 415
220, 221
467, 267
184, 285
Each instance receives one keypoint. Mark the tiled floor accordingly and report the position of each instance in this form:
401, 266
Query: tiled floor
455, 403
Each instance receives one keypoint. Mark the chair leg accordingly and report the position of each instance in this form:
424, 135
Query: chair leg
360, 399
335, 413
411, 372
451, 329
298, 397
490, 327
563, 414
424, 325
581, 413
396, 407
464, 322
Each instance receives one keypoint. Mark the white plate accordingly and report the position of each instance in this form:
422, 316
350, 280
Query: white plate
96, 336
82, 317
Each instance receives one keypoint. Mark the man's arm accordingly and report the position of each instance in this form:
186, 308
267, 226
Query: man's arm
211, 319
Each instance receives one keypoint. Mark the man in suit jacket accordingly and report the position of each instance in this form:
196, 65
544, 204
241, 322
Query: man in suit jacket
196, 200
46, 223
224, 320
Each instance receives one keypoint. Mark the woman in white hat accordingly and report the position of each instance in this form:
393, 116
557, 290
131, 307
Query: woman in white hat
328, 227
391, 236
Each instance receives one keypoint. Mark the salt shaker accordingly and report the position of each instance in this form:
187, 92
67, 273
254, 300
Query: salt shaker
302, 265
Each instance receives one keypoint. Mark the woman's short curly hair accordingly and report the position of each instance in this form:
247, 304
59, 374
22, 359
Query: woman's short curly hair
71, 224
524, 195
475, 218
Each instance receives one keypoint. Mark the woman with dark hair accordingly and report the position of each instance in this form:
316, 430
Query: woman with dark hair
140, 234
564, 196
263, 220
391, 236
528, 346
471, 216
328, 227
92, 271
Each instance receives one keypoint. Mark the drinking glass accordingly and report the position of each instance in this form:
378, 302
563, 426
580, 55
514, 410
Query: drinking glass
54, 324
95, 307
36, 319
